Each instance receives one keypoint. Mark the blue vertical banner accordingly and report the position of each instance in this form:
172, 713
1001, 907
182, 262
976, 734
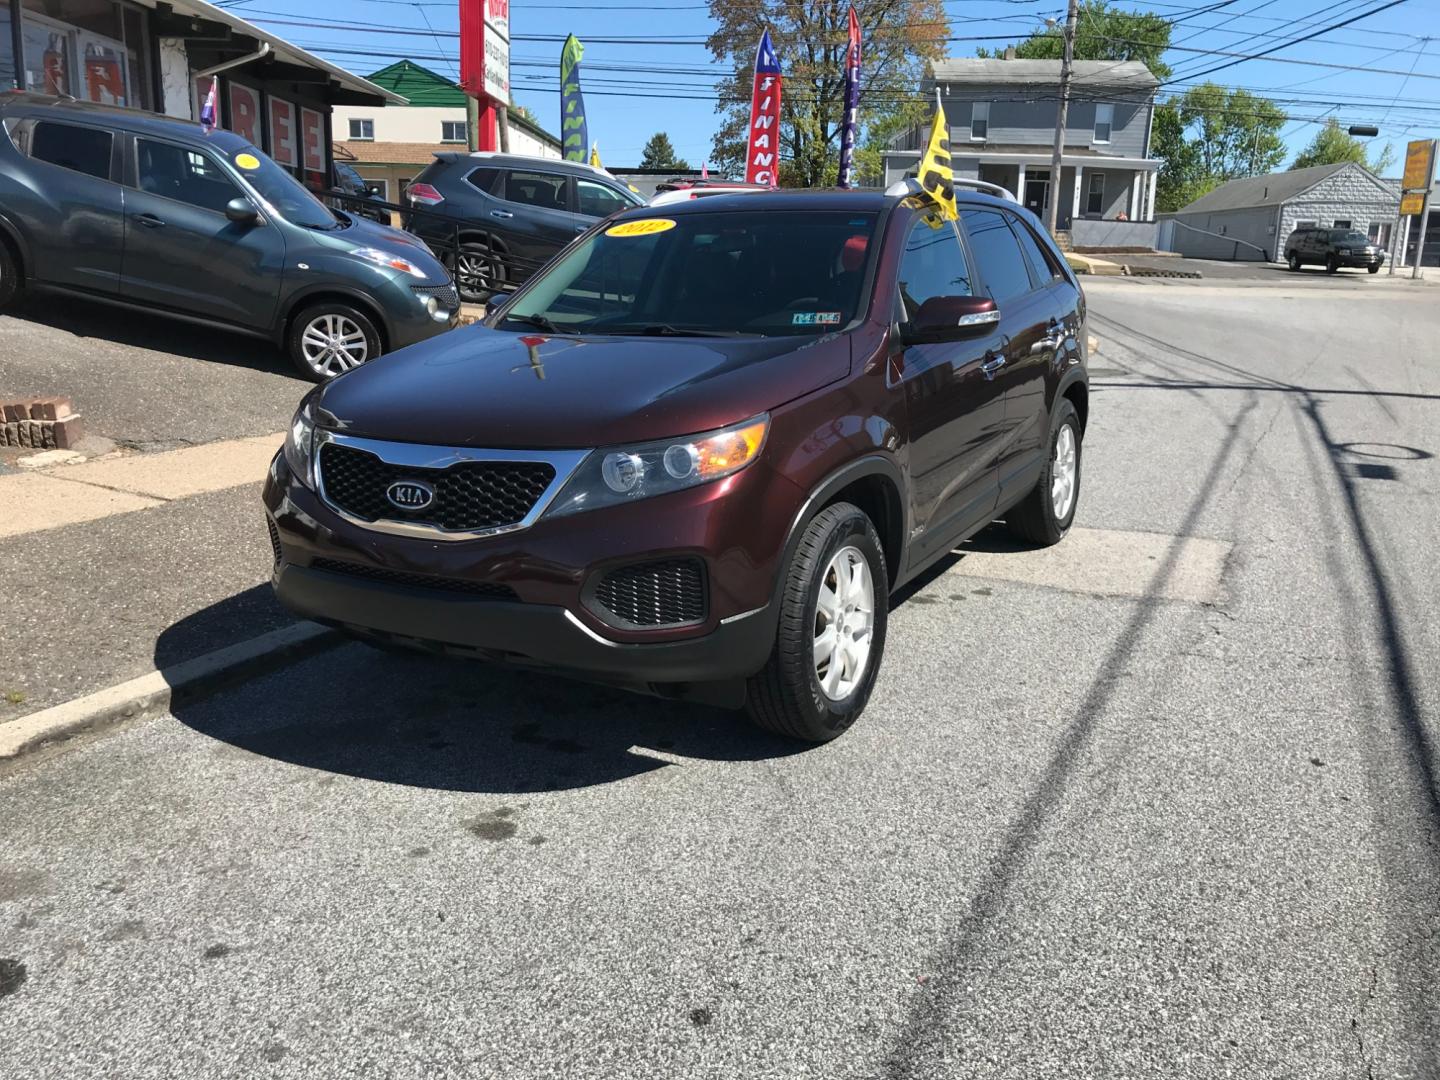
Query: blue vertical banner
851, 125
574, 133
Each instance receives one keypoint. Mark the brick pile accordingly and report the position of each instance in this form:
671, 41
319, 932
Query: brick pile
39, 423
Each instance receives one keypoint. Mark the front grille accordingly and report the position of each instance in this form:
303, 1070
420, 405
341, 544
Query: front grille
470, 496
670, 592
274, 538
445, 294
483, 589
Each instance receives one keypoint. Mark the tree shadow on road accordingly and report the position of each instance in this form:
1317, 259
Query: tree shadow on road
152, 332
456, 725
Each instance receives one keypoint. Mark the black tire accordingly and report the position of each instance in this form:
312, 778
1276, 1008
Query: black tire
341, 313
786, 696
1293, 261
478, 272
1373, 269
1332, 265
1034, 519
9, 275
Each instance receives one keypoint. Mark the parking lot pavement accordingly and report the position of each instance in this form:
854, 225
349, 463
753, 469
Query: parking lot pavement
1085, 829
1267, 273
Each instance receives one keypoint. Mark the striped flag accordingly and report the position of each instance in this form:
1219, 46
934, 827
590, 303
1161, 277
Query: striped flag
762, 160
852, 101
209, 111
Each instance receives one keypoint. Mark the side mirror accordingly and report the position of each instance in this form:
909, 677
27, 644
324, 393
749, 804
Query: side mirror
242, 212
951, 318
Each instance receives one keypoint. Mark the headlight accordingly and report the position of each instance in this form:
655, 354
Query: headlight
625, 473
300, 444
389, 260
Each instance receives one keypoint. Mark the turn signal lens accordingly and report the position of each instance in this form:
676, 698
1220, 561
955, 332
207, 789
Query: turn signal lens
728, 451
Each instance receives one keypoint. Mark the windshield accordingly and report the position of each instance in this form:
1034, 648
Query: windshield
282, 191
1348, 236
766, 272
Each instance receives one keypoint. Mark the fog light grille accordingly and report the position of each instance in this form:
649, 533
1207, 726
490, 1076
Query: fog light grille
668, 592
274, 539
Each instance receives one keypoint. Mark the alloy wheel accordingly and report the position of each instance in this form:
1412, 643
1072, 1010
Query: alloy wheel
333, 344
844, 622
1063, 468
474, 272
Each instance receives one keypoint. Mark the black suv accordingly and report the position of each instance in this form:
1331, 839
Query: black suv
146, 211
1332, 249
700, 450
511, 213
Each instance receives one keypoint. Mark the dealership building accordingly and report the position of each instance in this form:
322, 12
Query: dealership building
162, 57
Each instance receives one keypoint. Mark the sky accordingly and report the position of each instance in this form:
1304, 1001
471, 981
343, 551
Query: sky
1397, 87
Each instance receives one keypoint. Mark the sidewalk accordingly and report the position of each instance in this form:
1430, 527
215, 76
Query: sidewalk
120, 565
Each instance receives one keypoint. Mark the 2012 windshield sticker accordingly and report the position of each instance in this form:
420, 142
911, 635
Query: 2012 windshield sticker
816, 318
643, 227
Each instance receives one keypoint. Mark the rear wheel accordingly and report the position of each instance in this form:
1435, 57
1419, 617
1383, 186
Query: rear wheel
1293, 261
478, 272
330, 338
1046, 514
9, 275
833, 610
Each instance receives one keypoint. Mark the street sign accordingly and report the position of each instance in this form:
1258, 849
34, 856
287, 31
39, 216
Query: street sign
497, 50
1412, 205
1419, 165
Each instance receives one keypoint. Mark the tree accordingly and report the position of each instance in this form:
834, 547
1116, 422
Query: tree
1103, 33
660, 154
1235, 133
900, 37
1332, 146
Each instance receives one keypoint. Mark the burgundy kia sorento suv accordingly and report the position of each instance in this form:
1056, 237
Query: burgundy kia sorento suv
698, 452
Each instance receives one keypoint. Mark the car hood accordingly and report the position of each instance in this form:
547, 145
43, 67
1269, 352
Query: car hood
483, 387
362, 232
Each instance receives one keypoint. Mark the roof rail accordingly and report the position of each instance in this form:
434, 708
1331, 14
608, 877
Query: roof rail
911, 186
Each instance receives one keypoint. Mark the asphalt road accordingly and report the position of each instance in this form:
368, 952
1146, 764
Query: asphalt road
1077, 834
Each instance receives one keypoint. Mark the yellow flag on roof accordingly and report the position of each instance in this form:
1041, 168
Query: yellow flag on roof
595, 155
937, 175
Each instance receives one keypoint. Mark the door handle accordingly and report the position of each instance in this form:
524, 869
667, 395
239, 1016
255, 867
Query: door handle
1047, 344
994, 364
501, 214
150, 221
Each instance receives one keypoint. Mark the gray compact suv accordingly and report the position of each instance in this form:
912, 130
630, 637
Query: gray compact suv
509, 213
145, 211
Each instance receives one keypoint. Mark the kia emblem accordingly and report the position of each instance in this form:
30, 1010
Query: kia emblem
410, 494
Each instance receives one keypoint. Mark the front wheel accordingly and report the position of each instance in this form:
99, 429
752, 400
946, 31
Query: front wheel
1046, 514
834, 604
1332, 265
330, 338
1373, 269
1293, 261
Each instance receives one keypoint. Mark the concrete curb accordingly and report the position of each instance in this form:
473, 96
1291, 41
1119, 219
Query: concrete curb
185, 682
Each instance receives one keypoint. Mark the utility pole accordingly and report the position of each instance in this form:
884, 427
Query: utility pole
502, 116
1071, 18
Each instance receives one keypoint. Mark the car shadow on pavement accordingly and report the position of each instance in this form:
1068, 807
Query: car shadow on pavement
152, 332
456, 725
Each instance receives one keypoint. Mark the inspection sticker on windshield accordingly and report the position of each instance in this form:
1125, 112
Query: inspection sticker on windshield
816, 318
644, 227
247, 161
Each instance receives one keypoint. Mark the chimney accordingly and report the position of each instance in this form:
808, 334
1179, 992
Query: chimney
1009, 52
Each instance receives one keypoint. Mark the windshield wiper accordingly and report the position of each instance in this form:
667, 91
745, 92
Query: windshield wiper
539, 322
666, 330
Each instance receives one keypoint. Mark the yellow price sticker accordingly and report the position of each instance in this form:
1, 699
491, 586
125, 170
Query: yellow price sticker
247, 161
643, 227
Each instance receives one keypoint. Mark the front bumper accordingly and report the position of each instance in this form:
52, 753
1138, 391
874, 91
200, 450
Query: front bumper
1360, 260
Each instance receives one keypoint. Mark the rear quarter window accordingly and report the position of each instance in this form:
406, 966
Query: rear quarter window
483, 179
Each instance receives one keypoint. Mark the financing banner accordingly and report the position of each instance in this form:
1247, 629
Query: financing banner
762, 159
852, 102
574, 133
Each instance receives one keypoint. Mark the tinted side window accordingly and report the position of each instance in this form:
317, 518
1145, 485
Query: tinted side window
484, 179
536, 189
81, 149
1002, 265
597, 200
188, 176
933, 264
1041, 261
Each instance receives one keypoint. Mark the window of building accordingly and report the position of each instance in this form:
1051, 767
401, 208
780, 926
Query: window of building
9, 75
933, 264
998, 253
80, 149
453, 131
1342, 223
597, 200
545, 190
980, 121
95, 50
176, 172
1095, 193
362, 130
1306, 224
1380, 233
1104, 121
